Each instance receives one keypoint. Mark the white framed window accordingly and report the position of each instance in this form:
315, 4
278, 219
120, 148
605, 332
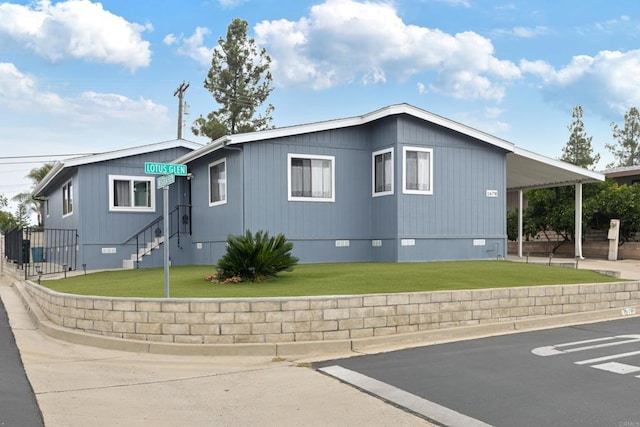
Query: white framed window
218, 182
46, 207
311, 178
67, 198
417, 165
382, 172
132, 193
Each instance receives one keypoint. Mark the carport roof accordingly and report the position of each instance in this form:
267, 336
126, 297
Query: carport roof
525, 169
528, 170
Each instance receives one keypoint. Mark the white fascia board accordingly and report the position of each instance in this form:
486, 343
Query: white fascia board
585, 174
111, 155
367, 118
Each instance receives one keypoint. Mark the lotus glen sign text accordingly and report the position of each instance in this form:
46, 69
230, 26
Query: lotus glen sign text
165, 169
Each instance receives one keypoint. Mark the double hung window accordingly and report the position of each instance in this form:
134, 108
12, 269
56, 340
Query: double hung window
67, 198
418, 170
311, 178
218, 182
131, 193
382, 168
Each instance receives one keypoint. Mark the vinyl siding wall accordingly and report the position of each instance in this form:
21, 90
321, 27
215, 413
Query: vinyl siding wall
443, 225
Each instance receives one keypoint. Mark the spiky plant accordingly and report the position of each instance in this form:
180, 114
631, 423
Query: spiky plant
256, 257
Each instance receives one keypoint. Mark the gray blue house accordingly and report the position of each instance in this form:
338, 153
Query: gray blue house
398, 184
114, 207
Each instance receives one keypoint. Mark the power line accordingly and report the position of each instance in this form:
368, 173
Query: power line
43, 155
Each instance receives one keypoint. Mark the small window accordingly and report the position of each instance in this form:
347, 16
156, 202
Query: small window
311, 178
46, 207
218, 182
67, 199
382, 168
418, 170
131, 193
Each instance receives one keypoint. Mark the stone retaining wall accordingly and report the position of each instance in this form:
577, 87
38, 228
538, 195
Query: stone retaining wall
304, 319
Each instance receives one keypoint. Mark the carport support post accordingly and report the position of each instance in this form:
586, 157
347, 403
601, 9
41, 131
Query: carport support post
520, 223
165, 202
578, 222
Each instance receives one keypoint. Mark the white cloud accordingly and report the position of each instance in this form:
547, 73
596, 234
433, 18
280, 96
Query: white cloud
192, 47
20, 93
609, 81
76, 29
342, 41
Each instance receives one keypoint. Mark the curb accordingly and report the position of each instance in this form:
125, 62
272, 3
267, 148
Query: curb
298, 350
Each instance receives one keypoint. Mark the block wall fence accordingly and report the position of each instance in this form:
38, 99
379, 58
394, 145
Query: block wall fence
322, 318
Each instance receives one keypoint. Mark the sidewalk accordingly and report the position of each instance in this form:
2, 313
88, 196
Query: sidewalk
628, 268
76, 386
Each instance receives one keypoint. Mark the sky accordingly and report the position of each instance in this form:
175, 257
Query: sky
80, 76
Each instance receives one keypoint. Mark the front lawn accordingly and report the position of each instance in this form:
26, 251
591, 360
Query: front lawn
327, 279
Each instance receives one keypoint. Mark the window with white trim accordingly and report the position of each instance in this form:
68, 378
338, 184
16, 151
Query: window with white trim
382, 172
311, 178
67, 198
132, 193
218, 182
417, 165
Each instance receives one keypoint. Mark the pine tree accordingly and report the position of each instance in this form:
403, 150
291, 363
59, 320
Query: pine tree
578, 150
240, 81
626, 150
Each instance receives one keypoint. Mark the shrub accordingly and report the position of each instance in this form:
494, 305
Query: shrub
256, 257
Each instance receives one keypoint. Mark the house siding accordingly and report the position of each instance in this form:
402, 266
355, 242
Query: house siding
446, 223
356, 226
100, 228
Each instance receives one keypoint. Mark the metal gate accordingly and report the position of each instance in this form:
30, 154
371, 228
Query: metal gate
40, 251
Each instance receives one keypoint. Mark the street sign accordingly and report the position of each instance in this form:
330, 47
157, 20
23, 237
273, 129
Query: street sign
165, 169
165, 180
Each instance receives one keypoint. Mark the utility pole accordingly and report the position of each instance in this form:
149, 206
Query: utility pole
180, 92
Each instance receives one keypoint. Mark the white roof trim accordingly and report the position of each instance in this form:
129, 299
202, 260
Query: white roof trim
391, 110
111, 155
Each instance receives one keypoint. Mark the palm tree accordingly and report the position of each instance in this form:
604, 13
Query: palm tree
26, 200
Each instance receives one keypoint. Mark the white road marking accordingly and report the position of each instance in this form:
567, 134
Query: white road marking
617, 368
602, 359
553, 350
430, 410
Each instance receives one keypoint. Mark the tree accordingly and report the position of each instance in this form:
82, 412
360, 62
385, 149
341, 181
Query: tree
26, 203
7, 220
240, 81
578, 150
626, 150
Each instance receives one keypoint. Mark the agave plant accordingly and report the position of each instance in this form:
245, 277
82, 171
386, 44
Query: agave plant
256, 257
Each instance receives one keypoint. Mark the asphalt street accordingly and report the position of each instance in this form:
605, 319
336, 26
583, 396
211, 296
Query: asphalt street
18, 405
586, 375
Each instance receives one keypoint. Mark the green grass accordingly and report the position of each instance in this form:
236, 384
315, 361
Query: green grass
327, 279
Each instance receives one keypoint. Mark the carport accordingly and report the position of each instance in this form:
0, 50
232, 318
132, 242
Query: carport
527, 170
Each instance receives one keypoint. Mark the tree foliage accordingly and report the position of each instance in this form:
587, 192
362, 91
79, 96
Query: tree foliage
613, 201
26, 203
7, 220
240, 81
626, 149
578, 150
256, 257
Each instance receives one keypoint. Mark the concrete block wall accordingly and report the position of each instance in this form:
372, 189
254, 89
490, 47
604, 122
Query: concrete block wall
325, 318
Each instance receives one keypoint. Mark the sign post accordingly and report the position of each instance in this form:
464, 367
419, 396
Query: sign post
168, 172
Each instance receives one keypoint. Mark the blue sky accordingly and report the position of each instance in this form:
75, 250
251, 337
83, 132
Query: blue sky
82, 76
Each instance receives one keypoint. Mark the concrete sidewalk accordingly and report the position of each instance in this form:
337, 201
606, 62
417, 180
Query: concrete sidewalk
78, 385
627, 269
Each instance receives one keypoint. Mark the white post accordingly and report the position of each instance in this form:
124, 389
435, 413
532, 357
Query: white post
578, 222
520, 223
165, 196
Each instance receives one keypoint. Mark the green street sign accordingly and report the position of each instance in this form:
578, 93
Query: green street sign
165, 180
164, 169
